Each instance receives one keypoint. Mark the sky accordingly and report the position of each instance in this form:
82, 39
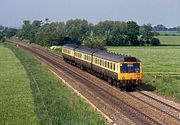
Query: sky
166, 12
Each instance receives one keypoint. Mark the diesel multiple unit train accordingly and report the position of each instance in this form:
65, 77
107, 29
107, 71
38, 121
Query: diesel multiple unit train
115, 68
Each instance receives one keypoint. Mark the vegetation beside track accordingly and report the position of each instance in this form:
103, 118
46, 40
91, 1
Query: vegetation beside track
16, 99
162, 59
55, 103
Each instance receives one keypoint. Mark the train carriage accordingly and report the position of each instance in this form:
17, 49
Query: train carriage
68, 52
118, 69
83, 57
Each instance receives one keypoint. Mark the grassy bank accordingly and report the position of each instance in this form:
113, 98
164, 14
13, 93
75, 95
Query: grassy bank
163, 59
16, 100
54, 102
164, 85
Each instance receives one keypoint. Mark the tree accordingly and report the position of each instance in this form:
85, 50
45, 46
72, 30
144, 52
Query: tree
51, 34
95, 42
26, 22
76, 29
104, 28
117, 40
2, 27
178, 29
10, 32
133, 32
148, 35
37, 23
155, 42
108, 27
29, 30
2, 36
160, 27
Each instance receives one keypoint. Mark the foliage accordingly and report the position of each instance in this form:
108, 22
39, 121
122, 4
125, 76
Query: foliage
95, 42
178, 29
2, 39
1, 35
17, 104
106, 28
29, 30
10, 32
116, 33
155, 42
160, 27
76, 29
49, 34
133, 32
164, 85
62, 106
117, 40
148, 36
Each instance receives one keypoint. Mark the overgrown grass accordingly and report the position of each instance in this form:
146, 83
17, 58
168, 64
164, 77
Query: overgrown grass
165, 85
157, 59
16, 100
55, 103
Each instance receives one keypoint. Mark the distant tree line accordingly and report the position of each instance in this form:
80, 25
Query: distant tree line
80, 31
161, 27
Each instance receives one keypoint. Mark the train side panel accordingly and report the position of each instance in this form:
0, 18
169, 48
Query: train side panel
105, 67
83, 59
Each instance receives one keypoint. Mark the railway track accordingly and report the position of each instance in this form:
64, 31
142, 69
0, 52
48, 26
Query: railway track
156, 103
110, 97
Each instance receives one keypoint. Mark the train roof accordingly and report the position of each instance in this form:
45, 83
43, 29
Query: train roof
115, 57
70, 46
102, 54
86, 50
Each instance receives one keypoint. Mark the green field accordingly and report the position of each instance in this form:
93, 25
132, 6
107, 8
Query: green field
164, 60
170, 33
169, 40
154, 59
16, 100
54, 102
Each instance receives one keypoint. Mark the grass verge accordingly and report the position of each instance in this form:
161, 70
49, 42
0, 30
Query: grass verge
164, 85
16, 99
55, 103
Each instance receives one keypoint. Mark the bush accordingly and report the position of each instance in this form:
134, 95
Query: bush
117, 40
155, 42
95, 42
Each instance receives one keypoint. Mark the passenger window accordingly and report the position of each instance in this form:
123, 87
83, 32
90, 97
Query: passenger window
114, 66
108, 65
105, 64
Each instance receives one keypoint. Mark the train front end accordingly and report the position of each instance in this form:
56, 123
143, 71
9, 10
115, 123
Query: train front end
130, 73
